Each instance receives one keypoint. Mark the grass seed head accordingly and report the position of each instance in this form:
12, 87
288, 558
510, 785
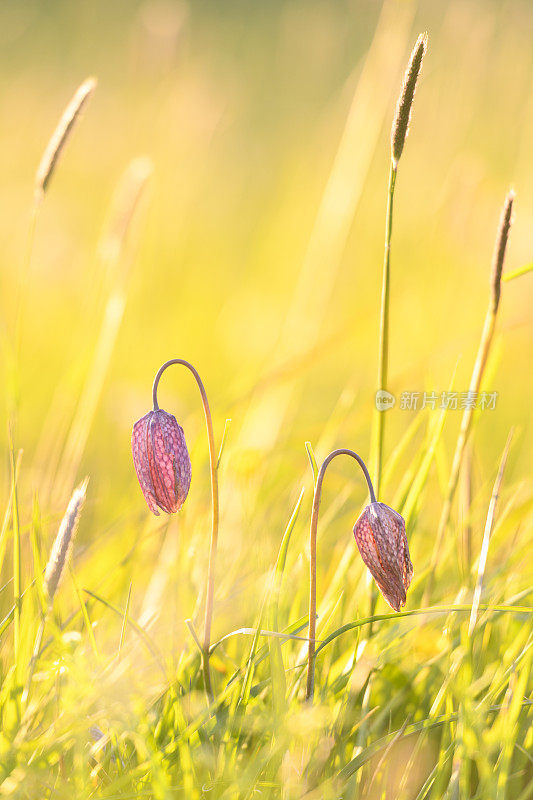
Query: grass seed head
63, 542
60, 136
500, 248
400, 126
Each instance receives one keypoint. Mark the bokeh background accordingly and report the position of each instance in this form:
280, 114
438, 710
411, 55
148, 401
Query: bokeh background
222, 200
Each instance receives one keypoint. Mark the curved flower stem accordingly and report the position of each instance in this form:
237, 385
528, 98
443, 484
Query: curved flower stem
312, 584
215, 513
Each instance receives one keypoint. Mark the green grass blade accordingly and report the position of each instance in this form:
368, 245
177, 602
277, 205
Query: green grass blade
124, 622
223, 441
517, 273
17, 566
85, 615
312, 461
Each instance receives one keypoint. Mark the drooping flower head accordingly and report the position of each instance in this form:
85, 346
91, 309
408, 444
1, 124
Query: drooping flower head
380, 536
161, 461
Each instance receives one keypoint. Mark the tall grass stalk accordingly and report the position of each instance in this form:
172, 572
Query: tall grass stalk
383, 360
400, 128
399, 131
475, 382
17, 566
55, 568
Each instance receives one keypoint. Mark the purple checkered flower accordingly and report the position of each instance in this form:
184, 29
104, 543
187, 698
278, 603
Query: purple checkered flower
380, 536
161, 461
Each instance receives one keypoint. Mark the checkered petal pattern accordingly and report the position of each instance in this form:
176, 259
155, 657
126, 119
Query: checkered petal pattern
161, 461
380, 536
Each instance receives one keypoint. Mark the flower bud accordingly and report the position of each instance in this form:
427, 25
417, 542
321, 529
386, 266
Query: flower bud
380, 536
161, 461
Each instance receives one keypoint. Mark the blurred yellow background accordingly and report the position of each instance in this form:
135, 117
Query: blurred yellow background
259, 136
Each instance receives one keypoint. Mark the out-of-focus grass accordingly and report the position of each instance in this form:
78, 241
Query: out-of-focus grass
253, 248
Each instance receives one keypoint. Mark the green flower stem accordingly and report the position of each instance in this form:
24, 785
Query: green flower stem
210, 583
312, 539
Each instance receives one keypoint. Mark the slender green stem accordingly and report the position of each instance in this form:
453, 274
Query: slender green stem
378, 431
17, 569
210, 585
462, 440
517, 273
312, 539
489, 524
383, 362
17, 337
485, 343
34, 657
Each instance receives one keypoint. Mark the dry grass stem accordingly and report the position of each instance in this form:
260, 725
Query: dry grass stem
475, 381
60, 136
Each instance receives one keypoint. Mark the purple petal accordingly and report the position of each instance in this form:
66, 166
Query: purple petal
139, 437
161, 461
380, 536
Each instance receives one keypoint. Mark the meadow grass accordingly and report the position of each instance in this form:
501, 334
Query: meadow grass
103, 679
